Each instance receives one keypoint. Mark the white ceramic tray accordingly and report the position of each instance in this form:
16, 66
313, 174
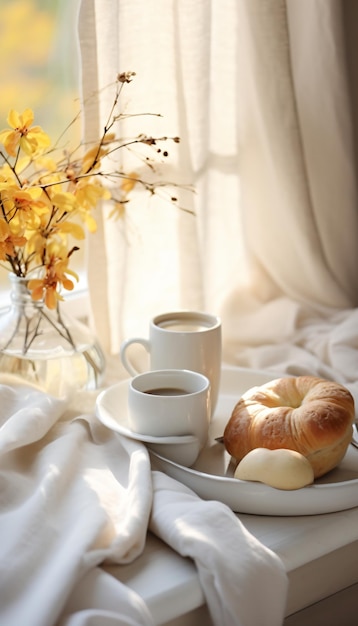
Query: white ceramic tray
210, 477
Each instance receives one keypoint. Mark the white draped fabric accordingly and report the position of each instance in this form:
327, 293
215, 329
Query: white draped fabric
75, 495
260, 96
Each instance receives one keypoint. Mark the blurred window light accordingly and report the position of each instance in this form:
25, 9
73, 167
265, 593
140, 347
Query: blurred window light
39, 70
39, 61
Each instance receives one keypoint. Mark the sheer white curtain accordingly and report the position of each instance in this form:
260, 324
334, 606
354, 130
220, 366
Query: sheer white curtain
161, 257
297, 171
258, 92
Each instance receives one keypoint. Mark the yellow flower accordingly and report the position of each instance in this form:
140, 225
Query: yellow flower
44, 238
6, 174
36, 245
31, 139
8, 241
65, 201
88, 193
23, 207
56, 276
70, 228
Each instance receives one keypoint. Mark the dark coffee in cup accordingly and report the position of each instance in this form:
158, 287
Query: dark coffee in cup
170, 403
167, 391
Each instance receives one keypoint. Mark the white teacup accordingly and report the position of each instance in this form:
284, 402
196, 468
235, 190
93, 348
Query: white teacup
166, 403
182, 340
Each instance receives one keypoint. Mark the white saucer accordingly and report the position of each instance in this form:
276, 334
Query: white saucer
112, 411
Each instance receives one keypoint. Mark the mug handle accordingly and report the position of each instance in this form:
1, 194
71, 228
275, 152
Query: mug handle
123, 352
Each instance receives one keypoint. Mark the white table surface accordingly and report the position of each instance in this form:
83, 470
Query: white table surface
320, 554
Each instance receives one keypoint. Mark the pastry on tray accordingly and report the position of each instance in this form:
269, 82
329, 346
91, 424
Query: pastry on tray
306, 414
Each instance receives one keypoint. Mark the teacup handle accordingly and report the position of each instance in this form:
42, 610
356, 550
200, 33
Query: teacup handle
123, 352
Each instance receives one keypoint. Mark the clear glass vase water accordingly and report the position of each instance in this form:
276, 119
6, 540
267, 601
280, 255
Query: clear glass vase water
47, 347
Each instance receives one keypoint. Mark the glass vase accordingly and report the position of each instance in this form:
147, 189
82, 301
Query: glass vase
47, 347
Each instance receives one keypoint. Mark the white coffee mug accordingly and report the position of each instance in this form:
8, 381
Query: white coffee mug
182, 340
170, 403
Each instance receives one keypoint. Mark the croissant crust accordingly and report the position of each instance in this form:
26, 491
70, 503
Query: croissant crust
311, 415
